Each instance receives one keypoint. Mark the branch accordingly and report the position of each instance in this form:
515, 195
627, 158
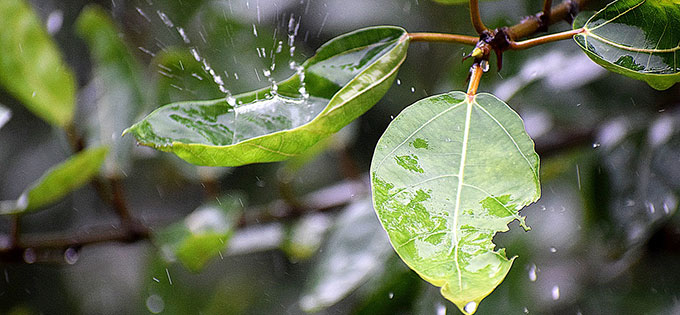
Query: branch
475, 76
476, 18
533, 24
443, 38
544, 39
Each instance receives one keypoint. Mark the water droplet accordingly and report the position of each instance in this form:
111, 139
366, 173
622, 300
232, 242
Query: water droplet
54, 21
413, 89
254, 30
30, 256
484, 64
555, 293
165, 19
471, 307
71, 255
553, 250
183, 34
194, 52
231, 100
267, 73
526, 310
532, 273
259, 182
441, 309
155, 304
596, 145
391, 295
398, 82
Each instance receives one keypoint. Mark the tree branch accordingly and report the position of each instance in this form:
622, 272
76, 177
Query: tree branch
544, 39
532, 24
443, 38
476, 18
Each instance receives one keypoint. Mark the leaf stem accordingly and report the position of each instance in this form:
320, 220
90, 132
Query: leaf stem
476, 18
15, 231
544, 39
444, 38
475, 76
544, 16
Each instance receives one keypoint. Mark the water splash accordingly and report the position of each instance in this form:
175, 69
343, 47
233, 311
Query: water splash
532, 273
470, 307
71, 256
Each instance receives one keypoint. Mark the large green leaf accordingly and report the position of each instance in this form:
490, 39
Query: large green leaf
448, 174
637, 38
347, 76
31, 68
202, 235
58, 182
116, 88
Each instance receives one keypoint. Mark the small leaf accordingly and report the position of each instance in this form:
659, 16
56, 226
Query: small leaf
5, 115
202, 235
442, 209
637, 38
116, 88
346, 77
58, 182
357, 250
31, 68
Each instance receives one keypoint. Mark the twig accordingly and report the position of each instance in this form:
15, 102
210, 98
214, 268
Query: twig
444, 38
15, 231
475, 77
544, 39
476, 18
544, 16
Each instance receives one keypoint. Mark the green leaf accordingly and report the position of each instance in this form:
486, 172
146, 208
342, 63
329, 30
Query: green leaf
305, 237
451, 1
356, 251
448, 174
31, 68
117, 88
202, 235
5, 115
346, 77
637, 38
58, 181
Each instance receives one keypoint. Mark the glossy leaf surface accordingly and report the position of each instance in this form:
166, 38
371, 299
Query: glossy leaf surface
31, 68
58, 182
448, 174
115, 89
202, 235
5, 115
357, 249
637, 38
347, 76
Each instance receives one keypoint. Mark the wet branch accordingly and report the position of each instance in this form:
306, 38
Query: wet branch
476, 18
443, 38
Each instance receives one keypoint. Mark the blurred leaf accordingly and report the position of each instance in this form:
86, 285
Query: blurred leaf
451, 1
202, 235
58, 181
357, 250
448, 174
636, 38
345, 78
5, 115
117, 85
394, 292
306, 236
31, 68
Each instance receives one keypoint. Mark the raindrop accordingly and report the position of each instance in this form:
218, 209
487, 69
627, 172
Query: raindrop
254, 30
155, 304
526, 310
391, 295
484, 64
231, 100
183, 34
165, 19
267, 73
441, 309
532, 273
54, 21
596, 145
194, 52
30, 256
259, 182
413, 89
553, 250
71, 256
471, 307
555, 293
398, 82
391, 116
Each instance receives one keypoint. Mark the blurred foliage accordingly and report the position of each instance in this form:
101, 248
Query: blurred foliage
605, 235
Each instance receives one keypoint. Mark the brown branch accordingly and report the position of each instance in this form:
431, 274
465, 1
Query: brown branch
475, 77
544, 39
443, 38
476, 18
533, 24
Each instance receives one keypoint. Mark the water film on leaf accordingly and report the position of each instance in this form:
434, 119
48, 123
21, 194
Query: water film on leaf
448, 174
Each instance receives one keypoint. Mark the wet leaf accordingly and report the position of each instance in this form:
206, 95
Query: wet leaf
448, 174
203, 234
637, 38
31, 68
347, 76
357, 249
305, 237
116, 88
58, 182
5, 115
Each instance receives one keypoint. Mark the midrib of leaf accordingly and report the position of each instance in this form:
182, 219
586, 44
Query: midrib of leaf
461, 174
628, 48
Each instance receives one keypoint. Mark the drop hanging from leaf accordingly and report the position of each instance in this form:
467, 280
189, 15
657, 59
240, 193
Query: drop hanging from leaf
448, 174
